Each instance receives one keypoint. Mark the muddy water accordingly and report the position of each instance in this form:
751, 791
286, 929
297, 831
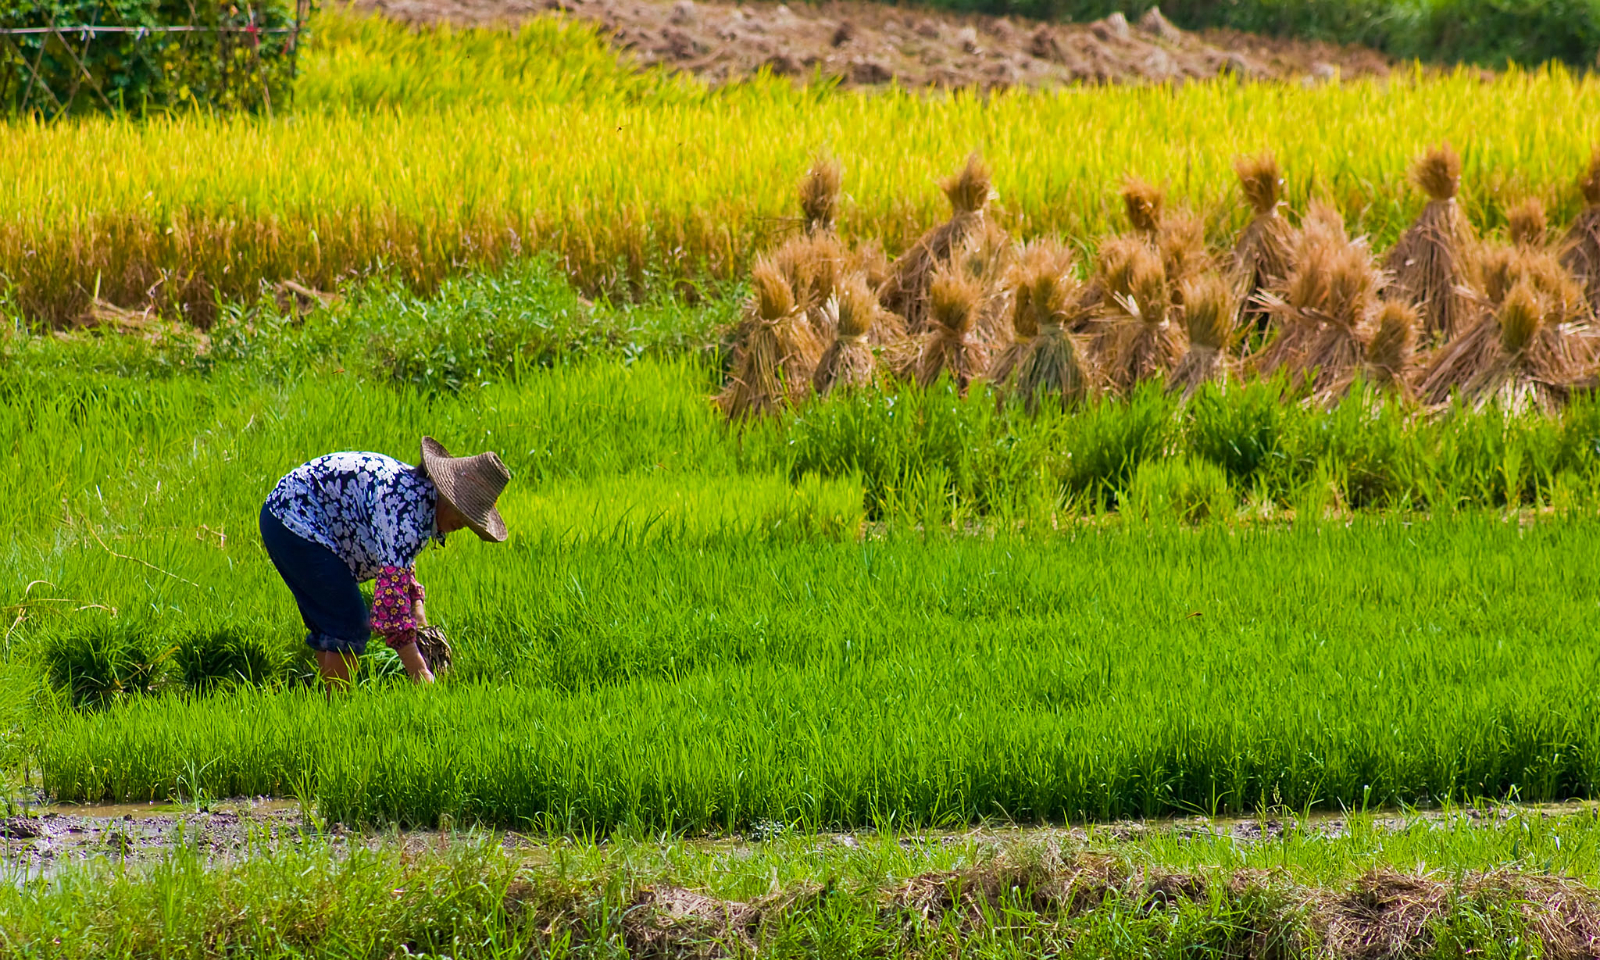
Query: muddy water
44, 838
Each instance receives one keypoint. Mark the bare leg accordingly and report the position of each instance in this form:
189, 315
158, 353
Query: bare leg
336, 669
415, 664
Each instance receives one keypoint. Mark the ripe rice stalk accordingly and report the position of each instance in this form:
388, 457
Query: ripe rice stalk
949, 344
1429, 263
775, 353
1144, 203
819, 193
1139, 340
1210, 318
906, 290
1580, 249
1262, 255
849, 362
1044, 270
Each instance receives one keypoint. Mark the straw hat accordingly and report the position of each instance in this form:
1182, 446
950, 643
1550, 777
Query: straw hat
470, 484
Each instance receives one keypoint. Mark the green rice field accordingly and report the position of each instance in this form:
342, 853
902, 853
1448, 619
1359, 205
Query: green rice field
906, 671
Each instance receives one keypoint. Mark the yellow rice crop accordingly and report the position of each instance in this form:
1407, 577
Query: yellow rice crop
408, 156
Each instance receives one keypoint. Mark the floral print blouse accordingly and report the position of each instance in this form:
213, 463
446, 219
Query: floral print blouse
376, 514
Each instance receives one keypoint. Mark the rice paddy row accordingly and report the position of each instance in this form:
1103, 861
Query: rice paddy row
689, 629
1457, 884
634, 181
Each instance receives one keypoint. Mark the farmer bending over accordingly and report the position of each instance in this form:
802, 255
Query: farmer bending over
347, 518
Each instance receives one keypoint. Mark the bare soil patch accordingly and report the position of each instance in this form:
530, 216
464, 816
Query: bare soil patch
870, 44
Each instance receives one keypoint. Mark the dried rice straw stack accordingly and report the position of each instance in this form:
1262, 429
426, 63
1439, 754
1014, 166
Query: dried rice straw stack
849, 362
1335, 354
1044, 269
906, 290
1580, 250
987, 257
1145, 203
1527, 225
776, 349
1429, 261
949, 344
1181, 242
1390, 364
1055, 362
819, 193
1304, 301
1210, 310
1526, 367
1263, 254
1140, 340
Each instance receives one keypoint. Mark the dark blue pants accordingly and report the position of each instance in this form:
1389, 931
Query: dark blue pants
330, 600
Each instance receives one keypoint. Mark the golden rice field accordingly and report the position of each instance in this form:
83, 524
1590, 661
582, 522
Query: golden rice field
423, 154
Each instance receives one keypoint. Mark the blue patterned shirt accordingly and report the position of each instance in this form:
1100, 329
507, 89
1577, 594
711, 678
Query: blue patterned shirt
372, 511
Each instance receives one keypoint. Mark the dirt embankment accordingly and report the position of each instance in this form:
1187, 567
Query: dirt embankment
865, 44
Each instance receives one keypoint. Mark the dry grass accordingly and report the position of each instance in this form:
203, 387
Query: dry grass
1042, 265
1182, 244
1262, 254
1210, 318
1527, 224
906, 290
1304, 302
1429, 263
1523, 355
1053, 361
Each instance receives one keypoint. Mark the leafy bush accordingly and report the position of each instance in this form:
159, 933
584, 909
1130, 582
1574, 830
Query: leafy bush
251, 69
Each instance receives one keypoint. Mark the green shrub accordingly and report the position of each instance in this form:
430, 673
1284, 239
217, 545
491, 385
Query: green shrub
157, 71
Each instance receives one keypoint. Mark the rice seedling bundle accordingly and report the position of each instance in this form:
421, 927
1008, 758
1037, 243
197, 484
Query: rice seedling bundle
1429, 263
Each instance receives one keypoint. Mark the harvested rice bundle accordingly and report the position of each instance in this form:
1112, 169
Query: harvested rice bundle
870, 260
1056, 362
1580, 250
1181, 242
1139, 340
1335, 354
906, 291
1144, 202
1043, 271
1527, 225
1262, 256
1524, 352
1210, 308
849, 362
813, 264
986, 257
949, 344
819, 193
1429, 263
1390, 351
776, 349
